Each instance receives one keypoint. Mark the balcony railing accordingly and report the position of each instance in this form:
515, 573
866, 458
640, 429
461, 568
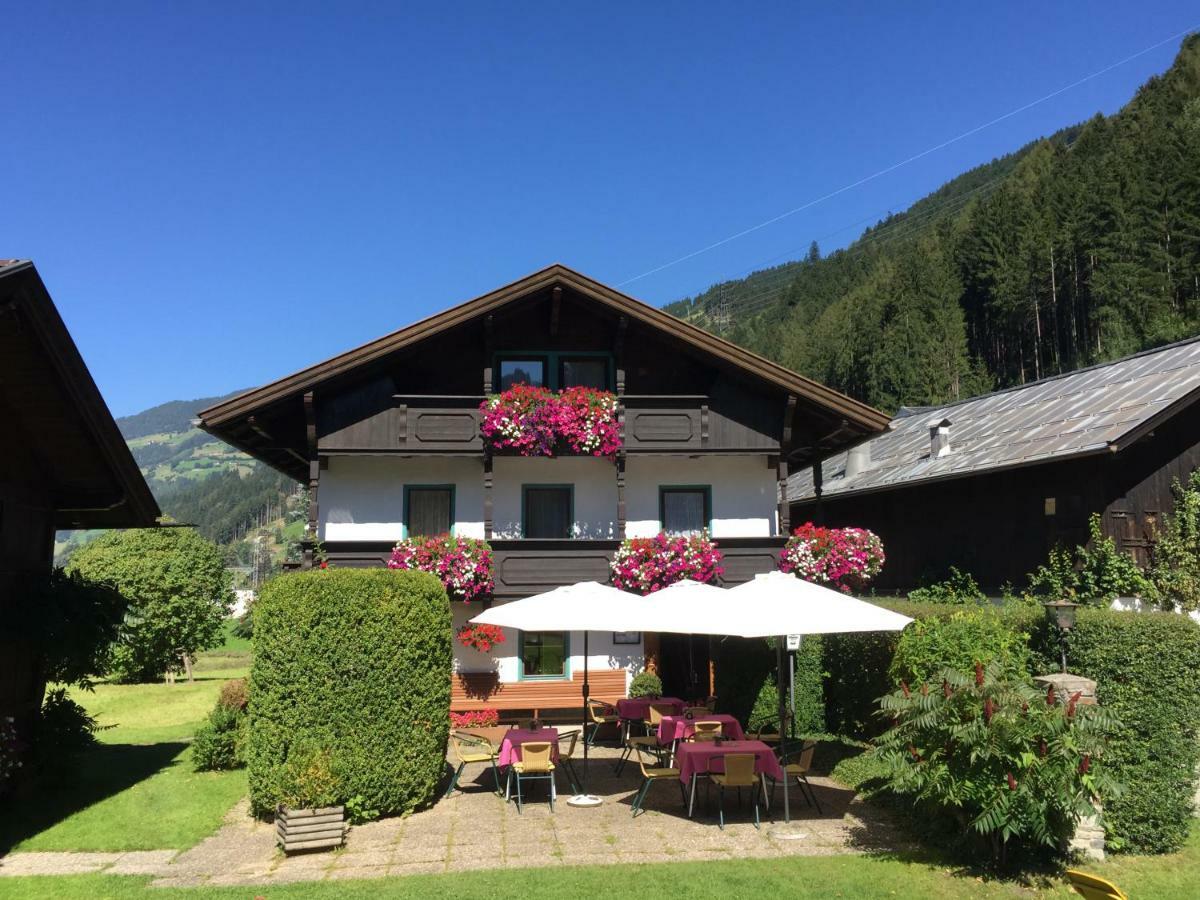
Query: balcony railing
449, 424
526, 567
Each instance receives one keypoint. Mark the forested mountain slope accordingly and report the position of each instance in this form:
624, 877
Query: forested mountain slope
1078, 248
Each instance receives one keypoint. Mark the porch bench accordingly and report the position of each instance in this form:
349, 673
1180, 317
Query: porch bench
484, 690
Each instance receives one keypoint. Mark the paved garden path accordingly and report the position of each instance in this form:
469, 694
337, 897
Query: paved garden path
476, 829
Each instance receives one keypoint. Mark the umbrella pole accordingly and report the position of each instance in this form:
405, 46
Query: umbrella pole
783, 725
586, 691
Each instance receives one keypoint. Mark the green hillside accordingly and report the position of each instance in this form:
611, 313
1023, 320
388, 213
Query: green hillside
232, 499
1076, 249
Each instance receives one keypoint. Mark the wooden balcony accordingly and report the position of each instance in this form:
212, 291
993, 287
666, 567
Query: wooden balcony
526, 567
444, 424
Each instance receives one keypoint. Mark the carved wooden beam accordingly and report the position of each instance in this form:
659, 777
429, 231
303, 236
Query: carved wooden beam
555, 309
487, 496
314, 474
781, 465
489, 349
619, 353
621, 511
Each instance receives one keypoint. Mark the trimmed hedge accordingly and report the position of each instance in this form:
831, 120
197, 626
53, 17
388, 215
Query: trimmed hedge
1147, 672
747, 686
356, 663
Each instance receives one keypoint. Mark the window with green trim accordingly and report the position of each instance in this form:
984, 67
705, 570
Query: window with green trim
547, 511
685, 509
554, 369
544, 654
428, 509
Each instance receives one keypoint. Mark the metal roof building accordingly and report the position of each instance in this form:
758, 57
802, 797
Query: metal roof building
1012, 473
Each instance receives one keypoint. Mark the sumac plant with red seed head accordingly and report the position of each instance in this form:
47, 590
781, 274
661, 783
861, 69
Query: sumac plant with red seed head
984, 752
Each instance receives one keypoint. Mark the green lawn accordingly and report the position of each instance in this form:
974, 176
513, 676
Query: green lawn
137, 790
1143, 878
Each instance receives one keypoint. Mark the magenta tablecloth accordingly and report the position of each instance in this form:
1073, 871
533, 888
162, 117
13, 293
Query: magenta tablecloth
510, 747
677, 728
701, 757
639, 708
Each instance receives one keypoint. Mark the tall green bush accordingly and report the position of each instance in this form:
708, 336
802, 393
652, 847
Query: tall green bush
1146, 669
958, 641
748, 690
1095, 573
355, 665
1175, 569
178, 592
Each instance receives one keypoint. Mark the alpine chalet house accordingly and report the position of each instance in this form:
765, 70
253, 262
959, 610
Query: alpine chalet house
388, 439
992, 483
65, 466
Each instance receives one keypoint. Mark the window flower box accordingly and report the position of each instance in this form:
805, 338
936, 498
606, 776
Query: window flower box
843, 558
534, 421
646, 565
464, 565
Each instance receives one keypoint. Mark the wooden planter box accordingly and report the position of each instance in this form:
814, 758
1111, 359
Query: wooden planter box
310, 829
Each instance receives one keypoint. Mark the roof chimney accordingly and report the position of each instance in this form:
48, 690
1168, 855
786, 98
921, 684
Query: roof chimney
858, 460
939, 438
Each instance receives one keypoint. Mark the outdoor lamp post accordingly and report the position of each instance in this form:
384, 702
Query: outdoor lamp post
1062, 614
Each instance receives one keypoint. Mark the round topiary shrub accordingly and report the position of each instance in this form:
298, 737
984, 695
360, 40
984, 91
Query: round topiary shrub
357, 664
645, 684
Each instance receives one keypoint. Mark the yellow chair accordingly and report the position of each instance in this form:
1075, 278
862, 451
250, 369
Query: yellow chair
799, 770
566, 758
654, 716
696, 712
652, 772
707, 730
1093, 887
535, 764
766, 733
470, 748
600, 713
636, 742
739, 773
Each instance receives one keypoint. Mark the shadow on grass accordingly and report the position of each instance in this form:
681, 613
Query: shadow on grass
96, 774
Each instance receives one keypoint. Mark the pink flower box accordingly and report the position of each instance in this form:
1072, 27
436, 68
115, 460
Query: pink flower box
464, 565
646, 565
844, 558
534, 421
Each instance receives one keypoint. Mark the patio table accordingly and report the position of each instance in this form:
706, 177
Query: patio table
679, 728
700, 758
510, 746
638, 708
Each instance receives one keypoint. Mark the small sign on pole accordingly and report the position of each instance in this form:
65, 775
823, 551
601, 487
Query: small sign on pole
793, 642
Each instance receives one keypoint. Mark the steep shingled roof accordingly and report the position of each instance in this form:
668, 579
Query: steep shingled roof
1103, 408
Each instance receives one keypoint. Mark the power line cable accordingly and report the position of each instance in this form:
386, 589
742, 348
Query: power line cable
892, 168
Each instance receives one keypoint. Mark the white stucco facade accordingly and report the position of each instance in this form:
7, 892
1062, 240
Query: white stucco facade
362, 497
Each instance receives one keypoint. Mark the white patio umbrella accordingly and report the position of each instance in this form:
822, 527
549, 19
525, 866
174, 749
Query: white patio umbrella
586, 606
778, 604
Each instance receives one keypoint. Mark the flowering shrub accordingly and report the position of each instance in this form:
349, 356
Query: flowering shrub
646, 565
475, 718
481, 637
997, 756
533, 421
464, 565
844, 558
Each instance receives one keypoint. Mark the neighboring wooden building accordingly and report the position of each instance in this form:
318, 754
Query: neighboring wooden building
387, 439
992, 483
63, 463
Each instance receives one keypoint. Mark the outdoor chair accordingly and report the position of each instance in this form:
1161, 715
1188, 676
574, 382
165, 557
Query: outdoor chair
600, 713
535, 764
707, 730
635, 742
695, 712
1093, 887
767, 732
798, 768
652, 772
739, 773
566, 758
655, 715
469, 748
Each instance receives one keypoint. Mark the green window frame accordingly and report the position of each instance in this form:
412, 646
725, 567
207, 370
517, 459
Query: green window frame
705, 489
569, 488
566, 654
406, 530
553, 361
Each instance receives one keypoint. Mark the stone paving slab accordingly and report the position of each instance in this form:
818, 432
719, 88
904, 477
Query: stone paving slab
475, 829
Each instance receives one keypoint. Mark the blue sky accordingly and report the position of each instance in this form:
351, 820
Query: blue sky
219, 196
